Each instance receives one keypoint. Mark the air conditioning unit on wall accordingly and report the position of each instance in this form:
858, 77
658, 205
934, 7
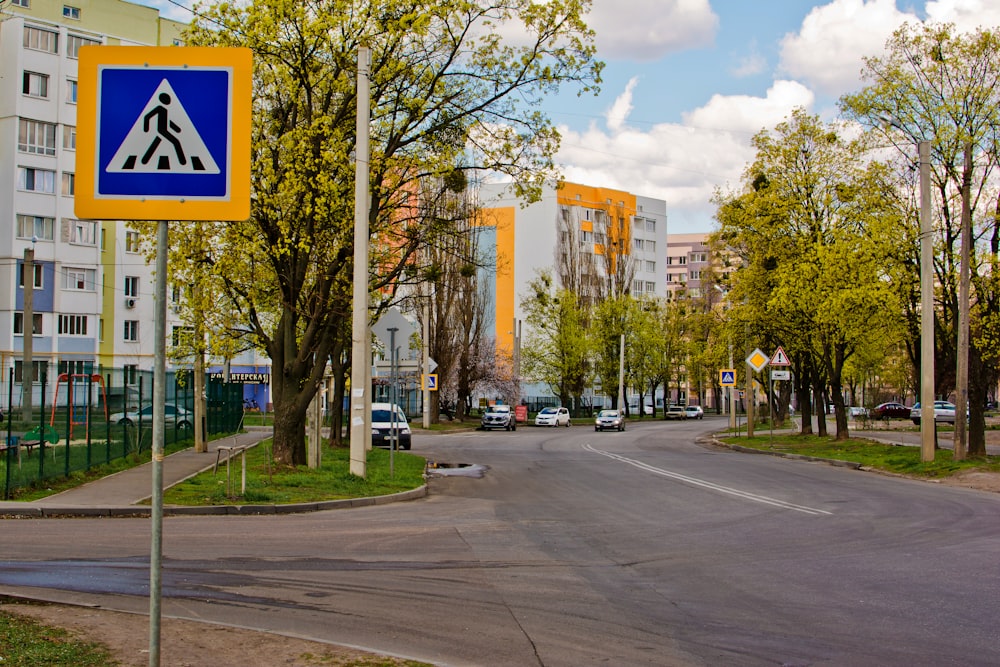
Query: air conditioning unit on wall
130, 302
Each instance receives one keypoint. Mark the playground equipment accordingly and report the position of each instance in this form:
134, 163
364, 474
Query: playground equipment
79, 398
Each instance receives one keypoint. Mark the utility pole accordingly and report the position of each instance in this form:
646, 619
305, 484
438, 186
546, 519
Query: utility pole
621, 376
361, 358
928, 427
962, 370
28, 328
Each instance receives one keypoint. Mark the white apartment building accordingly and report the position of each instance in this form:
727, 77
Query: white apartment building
93, 287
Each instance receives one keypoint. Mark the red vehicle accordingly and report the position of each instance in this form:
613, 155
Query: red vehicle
891, 410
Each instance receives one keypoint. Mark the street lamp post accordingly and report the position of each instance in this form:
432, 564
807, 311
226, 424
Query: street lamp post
927, 423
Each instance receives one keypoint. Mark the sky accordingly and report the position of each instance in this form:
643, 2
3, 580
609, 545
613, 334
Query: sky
688, 83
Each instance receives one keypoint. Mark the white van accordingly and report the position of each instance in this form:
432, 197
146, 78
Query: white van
389, 426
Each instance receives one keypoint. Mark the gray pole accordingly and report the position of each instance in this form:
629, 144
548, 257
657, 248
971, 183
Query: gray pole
427, 360
732, 390
960, 443
159, 398
28, 328
927, 424
393, 435
621, 376
360, 414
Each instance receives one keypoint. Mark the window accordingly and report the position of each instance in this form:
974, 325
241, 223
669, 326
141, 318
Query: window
71, 89
71, 12
40, 369
69, 137
41, 40
68, 183
74, 42
637, 286
82, 232
20, 3
34, 136
650, 245
650, 287
132, 286
131, 241
650, 225
130, 374
76, 366
30, 179
34, 84
73, 325
182, 336
79, 279
638, 243
587, 237
36, 226
650, 267
131, 330
38, 275
36, 322
694, 275
699, 257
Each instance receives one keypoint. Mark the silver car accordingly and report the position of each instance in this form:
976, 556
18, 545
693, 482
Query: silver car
609, 420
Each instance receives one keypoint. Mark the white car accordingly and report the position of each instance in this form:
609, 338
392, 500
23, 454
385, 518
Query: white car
389, 426
609, 419
552, 417
694, 412
173, 415
675, 412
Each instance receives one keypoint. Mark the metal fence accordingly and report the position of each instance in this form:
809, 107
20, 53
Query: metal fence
84, 420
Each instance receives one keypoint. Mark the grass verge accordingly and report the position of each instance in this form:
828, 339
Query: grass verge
25, 642
903, 460
268, 484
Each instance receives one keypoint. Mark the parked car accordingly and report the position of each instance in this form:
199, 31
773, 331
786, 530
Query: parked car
675, 412
943, 412
173, 415
694, 412
389, 426
890, 410
498, 416
552, 417
857, 412
646, 409
609, 419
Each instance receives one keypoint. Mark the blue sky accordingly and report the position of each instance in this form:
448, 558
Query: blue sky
689, 82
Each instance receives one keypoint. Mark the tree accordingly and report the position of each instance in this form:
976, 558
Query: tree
442, 82
944, 87
555, 350
815, 233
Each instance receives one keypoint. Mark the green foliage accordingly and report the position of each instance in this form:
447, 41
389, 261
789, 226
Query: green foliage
25, 642
442, 82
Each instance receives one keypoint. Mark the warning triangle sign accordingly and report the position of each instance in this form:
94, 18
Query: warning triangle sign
780, 358
163, 140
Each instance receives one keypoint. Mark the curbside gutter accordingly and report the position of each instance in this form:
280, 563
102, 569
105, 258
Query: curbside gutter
141, 511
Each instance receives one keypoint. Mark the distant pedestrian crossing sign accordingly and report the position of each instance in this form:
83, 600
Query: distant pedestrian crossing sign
163, 133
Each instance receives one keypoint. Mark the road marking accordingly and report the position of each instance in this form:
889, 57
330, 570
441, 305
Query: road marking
708, 485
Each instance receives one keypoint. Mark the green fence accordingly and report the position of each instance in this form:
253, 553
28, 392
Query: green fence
86, 420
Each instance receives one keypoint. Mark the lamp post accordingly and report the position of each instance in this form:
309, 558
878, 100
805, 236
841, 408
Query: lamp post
732, 388
927, 423
28, 331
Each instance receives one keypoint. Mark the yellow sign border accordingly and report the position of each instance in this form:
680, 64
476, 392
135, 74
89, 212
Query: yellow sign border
237, 207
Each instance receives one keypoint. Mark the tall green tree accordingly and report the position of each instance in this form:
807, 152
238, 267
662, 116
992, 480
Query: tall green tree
444, 86
814, 233
556, 349
939, 85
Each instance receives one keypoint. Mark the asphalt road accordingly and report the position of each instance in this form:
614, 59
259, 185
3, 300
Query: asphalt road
577, 548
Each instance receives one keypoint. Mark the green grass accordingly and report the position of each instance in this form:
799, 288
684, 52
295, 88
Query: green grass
267, 484
25, 642
891, 458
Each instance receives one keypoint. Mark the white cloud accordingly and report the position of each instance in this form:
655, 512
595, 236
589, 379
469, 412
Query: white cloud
750, 64
967, 15
827, 51
682, 163
646, 30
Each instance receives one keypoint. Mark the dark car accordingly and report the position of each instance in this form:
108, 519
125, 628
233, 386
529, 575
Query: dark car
498, 416
890, 410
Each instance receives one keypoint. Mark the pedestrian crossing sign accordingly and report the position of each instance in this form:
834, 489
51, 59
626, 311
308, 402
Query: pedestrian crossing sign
429, 382
727, 377
163, 133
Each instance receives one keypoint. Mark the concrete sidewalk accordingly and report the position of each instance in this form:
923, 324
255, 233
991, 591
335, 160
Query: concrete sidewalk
127, 488
118, 495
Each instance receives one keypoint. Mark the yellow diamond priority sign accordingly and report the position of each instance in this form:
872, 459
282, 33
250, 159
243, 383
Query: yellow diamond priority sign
757, 360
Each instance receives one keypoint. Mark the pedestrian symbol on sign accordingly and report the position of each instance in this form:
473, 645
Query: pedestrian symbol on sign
163, 131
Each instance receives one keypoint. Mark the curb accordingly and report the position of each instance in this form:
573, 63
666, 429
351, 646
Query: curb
785, 455
132, 511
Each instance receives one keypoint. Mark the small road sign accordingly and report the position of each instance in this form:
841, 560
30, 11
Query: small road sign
429, 381
780, 375
780, 358
757, 360
727, 377
163, 133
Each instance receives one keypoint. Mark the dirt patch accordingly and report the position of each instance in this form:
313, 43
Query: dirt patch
973, 479
191, 644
